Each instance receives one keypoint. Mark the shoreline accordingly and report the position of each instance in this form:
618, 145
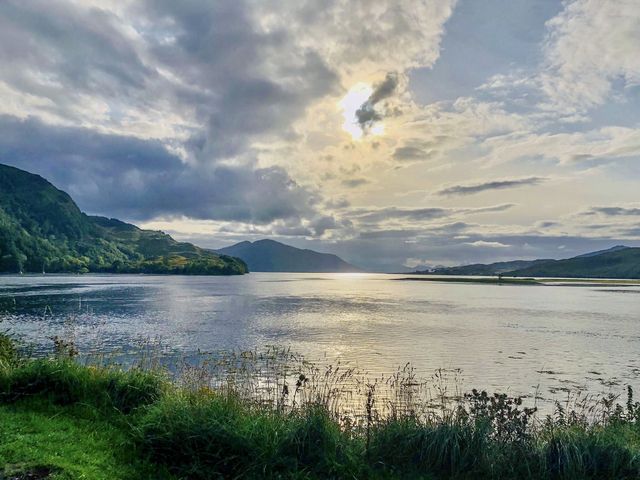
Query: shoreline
541, 281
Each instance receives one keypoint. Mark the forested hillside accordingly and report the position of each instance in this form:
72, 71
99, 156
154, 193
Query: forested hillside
42, 229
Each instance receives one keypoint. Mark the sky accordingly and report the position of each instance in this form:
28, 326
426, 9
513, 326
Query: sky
394, 133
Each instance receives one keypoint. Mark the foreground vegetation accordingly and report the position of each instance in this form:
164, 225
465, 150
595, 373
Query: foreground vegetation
60, 419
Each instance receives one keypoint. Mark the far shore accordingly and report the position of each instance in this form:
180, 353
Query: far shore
485, 280
580, 282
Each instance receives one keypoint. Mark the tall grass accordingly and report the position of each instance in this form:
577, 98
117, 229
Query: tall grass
271, 414
64, 381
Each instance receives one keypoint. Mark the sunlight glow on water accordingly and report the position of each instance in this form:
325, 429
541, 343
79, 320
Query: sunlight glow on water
509, 338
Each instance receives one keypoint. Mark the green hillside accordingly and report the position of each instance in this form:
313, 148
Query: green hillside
615, 263
41, 228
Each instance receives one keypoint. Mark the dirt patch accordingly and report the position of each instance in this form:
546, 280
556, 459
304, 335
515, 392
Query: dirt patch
33, 473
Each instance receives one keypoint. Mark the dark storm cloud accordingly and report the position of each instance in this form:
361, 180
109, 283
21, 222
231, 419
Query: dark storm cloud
367, 114
140, 179
205, 61
384, 89
469, 189
239, 85
225, 79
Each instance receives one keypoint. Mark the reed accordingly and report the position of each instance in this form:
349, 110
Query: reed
273, 414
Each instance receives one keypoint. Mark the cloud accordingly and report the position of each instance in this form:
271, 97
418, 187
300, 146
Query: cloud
468, 189
367, 114
139, 179
66, 60
177, 105
484, 244
239, 88
579, 149
492, 208
591, 45
548, 224
433, 145
614, 211
391, 213
421, 214
355, 182
206, 70
409, 153
386, 234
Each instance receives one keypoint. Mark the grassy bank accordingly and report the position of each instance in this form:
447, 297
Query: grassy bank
59, 419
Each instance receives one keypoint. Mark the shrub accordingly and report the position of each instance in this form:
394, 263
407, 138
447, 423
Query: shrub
408, 446
204, 436
598, 453
66, 382
313, 442
198, 436
8, 351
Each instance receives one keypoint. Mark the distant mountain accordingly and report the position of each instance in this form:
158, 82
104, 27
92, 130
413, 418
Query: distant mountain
600, 252
272, 256
618, 262
480, 269
615, 262
41, 228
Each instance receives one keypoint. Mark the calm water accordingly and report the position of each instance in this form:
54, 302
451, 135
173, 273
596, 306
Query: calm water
508, 338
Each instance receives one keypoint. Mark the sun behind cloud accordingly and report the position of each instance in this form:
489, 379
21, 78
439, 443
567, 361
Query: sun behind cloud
350, 103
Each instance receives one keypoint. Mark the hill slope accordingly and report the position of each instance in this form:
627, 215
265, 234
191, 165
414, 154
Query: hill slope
41, 228
272, 256
614, 263
482, 269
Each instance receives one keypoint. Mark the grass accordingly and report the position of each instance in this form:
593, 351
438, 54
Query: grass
65, 382
204, 433
59, 419
67, 442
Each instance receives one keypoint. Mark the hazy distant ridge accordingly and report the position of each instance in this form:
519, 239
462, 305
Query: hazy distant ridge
272, 256
617, 262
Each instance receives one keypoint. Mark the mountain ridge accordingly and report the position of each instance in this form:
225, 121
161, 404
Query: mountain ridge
616, 262
268, 255
623, 263
42, 229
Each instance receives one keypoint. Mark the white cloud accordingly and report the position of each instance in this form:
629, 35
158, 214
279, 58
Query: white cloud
591, 44
484, 244
598, 145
